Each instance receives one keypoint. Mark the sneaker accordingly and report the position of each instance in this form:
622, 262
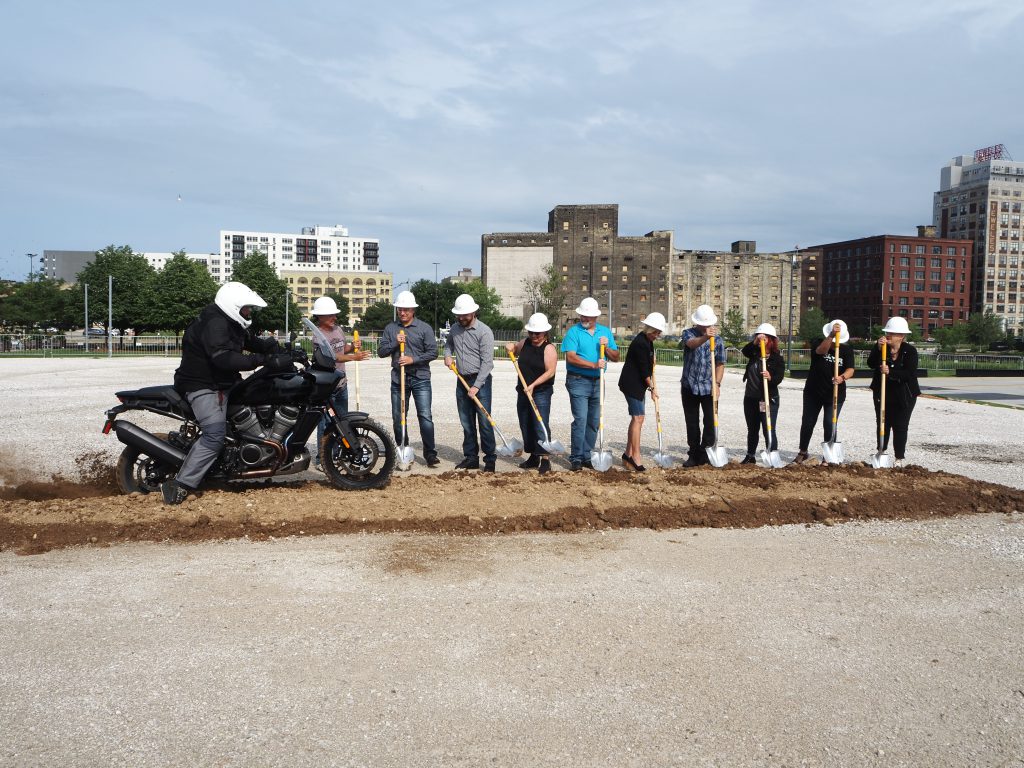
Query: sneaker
898, 464
588, 464
531, 463
468, 463
690, 462
318, 466
801, 457
576, 466
544, 467
433, 461
173, 492
749, 459
488, 466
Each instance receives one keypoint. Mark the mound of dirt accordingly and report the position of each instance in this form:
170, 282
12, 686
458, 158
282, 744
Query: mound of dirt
37, 517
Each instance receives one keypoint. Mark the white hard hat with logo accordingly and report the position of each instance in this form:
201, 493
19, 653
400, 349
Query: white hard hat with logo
464, 305
704, 316
324, 306
655, 320
589, 308
406, 300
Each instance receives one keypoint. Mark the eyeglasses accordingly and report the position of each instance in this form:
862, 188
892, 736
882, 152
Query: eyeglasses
536, 333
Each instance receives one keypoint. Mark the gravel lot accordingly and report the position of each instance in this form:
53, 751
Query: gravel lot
856, 644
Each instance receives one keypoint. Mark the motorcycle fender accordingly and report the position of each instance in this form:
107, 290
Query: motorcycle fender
345, 423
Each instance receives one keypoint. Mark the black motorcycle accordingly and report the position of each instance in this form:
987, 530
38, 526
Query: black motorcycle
271, 415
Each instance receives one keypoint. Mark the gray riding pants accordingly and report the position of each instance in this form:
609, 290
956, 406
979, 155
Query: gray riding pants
211, 411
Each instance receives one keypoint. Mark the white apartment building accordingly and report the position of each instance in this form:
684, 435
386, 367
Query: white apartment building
317, 250
980, 199
158, 260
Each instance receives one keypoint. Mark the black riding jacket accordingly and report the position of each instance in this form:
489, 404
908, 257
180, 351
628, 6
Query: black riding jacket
211, 352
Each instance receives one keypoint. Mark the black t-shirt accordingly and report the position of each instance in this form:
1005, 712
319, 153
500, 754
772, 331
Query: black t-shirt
638, 366
819, 377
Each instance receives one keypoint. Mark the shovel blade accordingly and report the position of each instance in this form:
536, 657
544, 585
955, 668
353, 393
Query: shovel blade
772, 459
717, 456
663, 460
602, 460
554, 447
881, 461
405, 457
832, 452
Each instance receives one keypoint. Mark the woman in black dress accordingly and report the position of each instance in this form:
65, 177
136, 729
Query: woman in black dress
901, 388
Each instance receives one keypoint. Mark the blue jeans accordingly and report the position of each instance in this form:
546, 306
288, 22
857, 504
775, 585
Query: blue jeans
420, 391
585, 402
339, 401
528, 420
471, 417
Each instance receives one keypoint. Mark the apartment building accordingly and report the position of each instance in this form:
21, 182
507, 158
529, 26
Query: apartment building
980, 200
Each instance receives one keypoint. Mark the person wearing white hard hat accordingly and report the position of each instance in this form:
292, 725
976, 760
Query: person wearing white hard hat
211, 361
901, 388
325, 317
695, 384
582, 347
820, 378
470, 347
754, 408
635, 381
420, 348
538, 361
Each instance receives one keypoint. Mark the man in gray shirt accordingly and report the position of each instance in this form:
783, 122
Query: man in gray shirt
470, 346
420, 349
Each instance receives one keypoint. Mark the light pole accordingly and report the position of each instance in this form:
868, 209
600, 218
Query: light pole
789, 336
86, 317
287, 294
110, 315
31, 260
436, 326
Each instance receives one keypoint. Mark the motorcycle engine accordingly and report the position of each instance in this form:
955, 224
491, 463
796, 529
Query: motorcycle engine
251, 428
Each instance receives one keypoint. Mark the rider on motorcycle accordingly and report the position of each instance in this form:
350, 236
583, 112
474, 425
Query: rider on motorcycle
211, 358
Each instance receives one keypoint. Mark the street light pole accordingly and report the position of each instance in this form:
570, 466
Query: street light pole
437, 327
789, 339
31, 261
86, 317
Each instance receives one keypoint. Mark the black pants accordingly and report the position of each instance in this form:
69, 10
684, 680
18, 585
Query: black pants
897, 423
756, 422
812, 407
697, 440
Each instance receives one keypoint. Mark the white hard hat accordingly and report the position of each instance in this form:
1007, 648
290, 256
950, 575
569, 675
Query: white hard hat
325, 306
767, 329
897, 325
844, 332
538, 323
406, 300
464, 305
704, 316
231, 297
655, 320
588, 308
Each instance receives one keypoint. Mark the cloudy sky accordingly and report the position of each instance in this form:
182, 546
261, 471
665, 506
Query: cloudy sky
427, 124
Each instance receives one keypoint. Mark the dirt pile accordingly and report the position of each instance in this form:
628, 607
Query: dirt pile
36, 517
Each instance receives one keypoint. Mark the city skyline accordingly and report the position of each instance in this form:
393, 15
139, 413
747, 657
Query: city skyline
426, 127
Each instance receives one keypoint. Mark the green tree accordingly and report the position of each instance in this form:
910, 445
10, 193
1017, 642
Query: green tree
133, 284
950, 337
984, 328
256, 273
180, 291
36, 303
734, 329
344, 308
811, 324
546, 292
376, 316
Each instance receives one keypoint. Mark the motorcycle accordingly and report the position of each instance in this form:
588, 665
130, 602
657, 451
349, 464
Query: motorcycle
271, 415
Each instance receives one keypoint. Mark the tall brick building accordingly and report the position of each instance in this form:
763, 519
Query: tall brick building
925, 279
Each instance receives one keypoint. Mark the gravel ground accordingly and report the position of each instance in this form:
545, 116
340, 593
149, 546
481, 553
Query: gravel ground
867, 644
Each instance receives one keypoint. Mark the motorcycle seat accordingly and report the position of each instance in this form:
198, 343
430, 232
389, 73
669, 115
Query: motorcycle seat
165, 394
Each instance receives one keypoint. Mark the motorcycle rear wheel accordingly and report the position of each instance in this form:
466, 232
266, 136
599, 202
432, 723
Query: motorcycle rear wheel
371, 467
138, 473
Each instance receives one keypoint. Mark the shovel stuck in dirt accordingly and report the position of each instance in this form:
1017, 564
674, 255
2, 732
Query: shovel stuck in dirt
553, 447
405, 453
661, 458
357, 348
881, 458
832, 450
508, 448
768, 456
601, 458
717, 456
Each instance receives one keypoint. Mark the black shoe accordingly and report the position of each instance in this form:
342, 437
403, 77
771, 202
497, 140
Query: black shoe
749, 459
531, 463
690, 462
468, 463
639, 467
174, 492
544, 467
488, 466
588, 464
433, 461
576, 466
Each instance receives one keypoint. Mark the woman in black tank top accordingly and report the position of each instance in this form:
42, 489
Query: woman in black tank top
537, 361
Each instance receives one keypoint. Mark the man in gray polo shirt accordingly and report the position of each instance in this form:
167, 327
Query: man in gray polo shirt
470, 346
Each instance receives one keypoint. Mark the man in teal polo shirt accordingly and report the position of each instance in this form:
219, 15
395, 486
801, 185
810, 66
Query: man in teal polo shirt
582, 346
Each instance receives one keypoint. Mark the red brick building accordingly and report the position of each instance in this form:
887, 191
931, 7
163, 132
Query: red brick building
925, 279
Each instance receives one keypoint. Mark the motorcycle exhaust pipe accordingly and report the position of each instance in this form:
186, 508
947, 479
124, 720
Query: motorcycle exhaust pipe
149, 444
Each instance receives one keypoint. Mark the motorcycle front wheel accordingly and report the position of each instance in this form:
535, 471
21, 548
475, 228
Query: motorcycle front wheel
138, 473
367, 465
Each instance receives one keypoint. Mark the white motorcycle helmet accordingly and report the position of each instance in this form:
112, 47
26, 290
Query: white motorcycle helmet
233, 296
